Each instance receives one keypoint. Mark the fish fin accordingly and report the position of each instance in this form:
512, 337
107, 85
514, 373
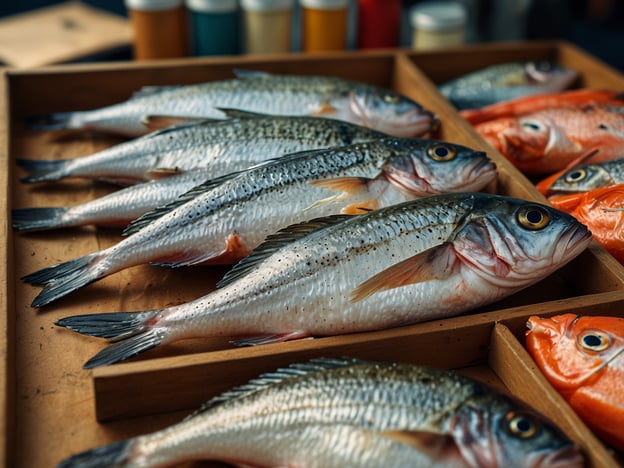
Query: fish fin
568, 202
432, 264
38, 219
233, 251
347, 186
162, 122
240, 114
361, 207
62, 279
132, 333
163, 172
325, 109
147, 218
274, 242
274, 338
430, 443
48, 122
42, 170
244, 74
108, 456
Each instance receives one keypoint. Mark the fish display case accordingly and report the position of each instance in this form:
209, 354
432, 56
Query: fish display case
53, 408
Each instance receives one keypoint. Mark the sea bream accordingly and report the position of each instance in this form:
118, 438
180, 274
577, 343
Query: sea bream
221, 221
223, 146
360, 103
425, 259
356, 413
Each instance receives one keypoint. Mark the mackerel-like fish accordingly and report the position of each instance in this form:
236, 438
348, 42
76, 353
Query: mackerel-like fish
222, 220
356, 413
586, 177
506, 81
116, 209
421, 260
360, 103
223, 146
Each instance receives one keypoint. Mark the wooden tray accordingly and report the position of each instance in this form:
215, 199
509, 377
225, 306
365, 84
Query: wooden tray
52, 405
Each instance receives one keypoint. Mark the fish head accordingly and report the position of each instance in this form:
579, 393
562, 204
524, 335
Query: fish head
549, 76
511, 243
573, 350
392, 113
495, 431
581, 178
427, 167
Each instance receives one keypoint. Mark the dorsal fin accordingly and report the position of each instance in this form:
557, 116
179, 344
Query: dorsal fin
241, 114
156, 213
276, 241
271, 378
246, 74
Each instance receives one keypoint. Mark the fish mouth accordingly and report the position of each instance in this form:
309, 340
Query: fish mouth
574, 241
566, 457
481, 174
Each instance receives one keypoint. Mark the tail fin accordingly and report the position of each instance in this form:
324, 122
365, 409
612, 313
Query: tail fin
42, 170
130, 332
107, 456
38, 219
55, 121
62, 279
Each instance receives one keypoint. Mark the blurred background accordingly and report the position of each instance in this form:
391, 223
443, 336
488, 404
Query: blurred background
595, 25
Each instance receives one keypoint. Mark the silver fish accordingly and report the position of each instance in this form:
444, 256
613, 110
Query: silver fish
360, 103
421, 260
223, 146
222, 220
585, 177
116, 209
356, 413
506, 81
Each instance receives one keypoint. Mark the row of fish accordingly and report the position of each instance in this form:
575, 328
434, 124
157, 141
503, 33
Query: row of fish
359, 235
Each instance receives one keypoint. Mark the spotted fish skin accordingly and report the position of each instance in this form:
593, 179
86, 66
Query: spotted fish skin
360, 103
347, 412
223, 220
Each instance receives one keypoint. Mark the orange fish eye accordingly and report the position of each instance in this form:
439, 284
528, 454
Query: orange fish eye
441, 153
575, 175
533, 217
521, 424
593, 340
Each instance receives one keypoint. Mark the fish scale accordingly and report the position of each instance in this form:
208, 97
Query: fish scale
347, 412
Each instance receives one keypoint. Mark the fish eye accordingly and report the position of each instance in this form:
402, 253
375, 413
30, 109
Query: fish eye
593, 340
575, 175
531, 126
441, 153
391, 98
533, 217
521, 424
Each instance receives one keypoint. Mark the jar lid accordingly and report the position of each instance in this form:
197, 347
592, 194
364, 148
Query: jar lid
212, 6
438, 16
267, 5
153, 5
325, 4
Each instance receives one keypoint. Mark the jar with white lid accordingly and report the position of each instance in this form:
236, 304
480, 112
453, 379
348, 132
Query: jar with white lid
438, 24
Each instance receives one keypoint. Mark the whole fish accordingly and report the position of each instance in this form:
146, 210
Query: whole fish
549, 140
533, 103
584, 177
223, 146
116, 209
583, 358
355, 102
222, 220
420, 260
602, 211
507, 81
356, 413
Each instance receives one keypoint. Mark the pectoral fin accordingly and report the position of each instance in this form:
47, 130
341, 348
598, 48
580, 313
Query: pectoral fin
432, 264
348, 187
325, 109
163, 172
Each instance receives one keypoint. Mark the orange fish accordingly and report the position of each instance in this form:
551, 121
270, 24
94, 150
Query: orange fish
549, 140
602, 211
583, 358
537, 102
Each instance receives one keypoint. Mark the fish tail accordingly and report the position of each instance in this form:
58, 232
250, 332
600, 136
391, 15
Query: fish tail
64, 278
131, 334
54, 121
108, 456
42, 170
37, 219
